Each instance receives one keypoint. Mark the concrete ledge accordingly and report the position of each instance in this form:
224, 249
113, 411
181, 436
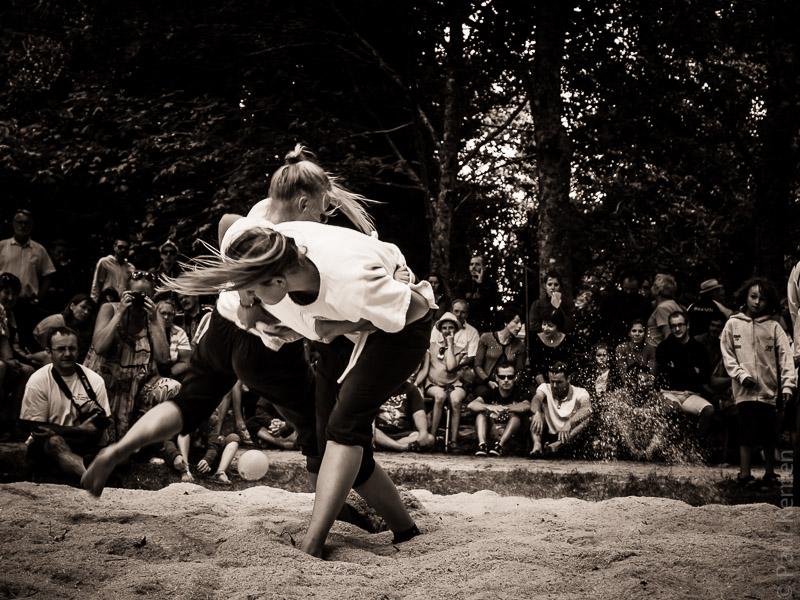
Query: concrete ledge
447, 474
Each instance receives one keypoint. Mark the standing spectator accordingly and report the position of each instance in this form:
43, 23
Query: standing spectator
620, 308
67, 279
502, 403
551, 300
664, 289
709, 307
440, 293
586, 325
636, 351
499, 347
65, 407
560, 410
442, 382
549, 346
113, 271
684, 371
758, 359
710, 340
78, 315
481, 293
168, 267
29, 261
129, 343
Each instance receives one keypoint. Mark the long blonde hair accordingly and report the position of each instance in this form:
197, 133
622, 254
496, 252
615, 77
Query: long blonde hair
300, 175
256, 255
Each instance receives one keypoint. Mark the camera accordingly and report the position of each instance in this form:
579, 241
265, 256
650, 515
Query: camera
137, 299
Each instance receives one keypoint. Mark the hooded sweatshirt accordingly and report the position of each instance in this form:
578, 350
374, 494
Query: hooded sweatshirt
758, 348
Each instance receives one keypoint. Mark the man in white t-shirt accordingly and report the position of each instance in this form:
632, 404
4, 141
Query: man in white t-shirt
560, 412
65, 407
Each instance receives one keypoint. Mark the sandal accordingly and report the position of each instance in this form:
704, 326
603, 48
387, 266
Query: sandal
244, 436
414, 447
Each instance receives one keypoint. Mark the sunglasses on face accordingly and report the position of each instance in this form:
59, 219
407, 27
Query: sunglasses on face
137, 275
506, 377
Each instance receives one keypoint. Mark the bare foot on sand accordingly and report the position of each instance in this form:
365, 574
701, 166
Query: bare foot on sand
94, 480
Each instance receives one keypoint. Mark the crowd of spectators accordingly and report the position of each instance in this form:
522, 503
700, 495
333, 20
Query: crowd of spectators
625, 366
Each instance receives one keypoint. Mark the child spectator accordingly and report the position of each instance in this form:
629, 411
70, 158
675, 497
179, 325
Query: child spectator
268, 426
502, 404
758, 358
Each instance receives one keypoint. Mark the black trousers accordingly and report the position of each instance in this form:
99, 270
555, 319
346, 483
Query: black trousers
345, 412
227, 353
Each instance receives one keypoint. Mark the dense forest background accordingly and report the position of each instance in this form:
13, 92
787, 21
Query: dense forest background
579, 134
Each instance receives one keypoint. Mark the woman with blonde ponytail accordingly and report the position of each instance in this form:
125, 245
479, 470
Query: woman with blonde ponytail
243, 342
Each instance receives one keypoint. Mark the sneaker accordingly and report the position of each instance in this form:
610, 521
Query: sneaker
482, 450
497, 450
744, 480
771, 478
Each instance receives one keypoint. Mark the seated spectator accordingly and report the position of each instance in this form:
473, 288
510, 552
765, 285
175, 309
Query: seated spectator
14, 365
440, 293
441, 372
78, 315
758, 358
549, 346
551, 300
621, 307
709, 307
560, 410
191, 315
401, 423
683, 369
65, 408
466, 337
636, 351
480, 291
270, 428
129, 343
664, 289
180, 349
212, 442
586, 327
503, 405
601, 376
168, 267
497, 347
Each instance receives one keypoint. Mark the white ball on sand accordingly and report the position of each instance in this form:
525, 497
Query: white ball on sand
253, 465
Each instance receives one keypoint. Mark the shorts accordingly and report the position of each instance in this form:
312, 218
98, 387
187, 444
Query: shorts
689, 402
757, 422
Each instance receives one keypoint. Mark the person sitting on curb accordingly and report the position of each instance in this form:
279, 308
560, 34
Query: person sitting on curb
504, 404
560, 410
402, 424
65, 408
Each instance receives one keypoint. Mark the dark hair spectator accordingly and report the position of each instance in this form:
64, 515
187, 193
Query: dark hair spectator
548, 346
769, 294
79, 315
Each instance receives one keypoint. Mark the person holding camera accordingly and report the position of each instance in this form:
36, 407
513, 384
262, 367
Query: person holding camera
65, 408
128, 345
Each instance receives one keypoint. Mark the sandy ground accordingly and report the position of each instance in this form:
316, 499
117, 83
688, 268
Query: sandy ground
185, 541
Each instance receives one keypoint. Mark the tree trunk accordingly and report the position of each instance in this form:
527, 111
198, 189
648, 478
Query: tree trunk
553, 151
440, 209
776, 171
